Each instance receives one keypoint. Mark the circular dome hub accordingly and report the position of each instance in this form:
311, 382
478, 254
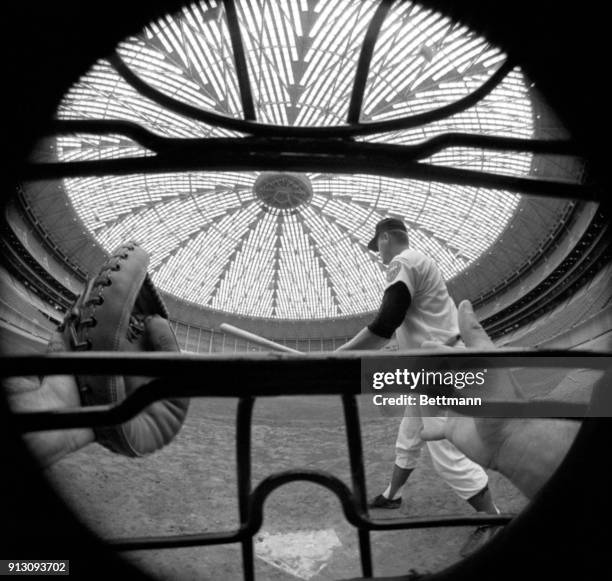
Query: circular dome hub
284, 191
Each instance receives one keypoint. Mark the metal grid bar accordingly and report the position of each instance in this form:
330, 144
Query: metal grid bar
307, 154
244, 417
365, 58
424, 149
337, 132
353, 436
242, 71
353, 500
369, 161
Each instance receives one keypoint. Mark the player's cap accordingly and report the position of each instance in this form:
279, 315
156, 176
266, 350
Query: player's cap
385, 225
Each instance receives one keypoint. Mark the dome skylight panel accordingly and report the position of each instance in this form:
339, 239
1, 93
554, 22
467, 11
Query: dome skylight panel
292, 245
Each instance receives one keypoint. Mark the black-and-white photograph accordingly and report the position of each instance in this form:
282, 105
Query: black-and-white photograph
306, 290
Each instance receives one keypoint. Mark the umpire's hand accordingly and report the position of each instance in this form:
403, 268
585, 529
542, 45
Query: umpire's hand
478, 438
526, 451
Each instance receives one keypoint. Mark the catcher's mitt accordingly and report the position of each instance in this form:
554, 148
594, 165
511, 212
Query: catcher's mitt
120, 310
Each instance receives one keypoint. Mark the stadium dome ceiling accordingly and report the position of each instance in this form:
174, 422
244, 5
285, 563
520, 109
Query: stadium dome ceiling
293, 246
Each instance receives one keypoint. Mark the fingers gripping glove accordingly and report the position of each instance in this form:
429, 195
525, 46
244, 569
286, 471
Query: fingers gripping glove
121, 310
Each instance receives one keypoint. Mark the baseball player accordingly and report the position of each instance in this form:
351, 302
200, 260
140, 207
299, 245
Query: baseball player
416, 307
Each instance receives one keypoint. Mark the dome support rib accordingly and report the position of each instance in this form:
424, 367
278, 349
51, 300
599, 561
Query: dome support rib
323, 264
230, 259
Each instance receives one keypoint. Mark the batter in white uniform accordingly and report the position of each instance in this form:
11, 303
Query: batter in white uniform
417, 307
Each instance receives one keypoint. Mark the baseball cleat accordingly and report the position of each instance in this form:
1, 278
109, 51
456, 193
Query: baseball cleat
480, 537
381, 502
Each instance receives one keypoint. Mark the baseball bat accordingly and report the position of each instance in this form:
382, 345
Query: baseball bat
257, 339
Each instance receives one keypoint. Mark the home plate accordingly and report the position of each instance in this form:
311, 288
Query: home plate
302, 554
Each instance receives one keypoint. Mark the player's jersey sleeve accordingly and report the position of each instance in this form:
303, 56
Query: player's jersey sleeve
395, 304
401, 271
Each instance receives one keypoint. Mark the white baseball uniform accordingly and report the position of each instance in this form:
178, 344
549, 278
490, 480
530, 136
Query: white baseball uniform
432, 316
